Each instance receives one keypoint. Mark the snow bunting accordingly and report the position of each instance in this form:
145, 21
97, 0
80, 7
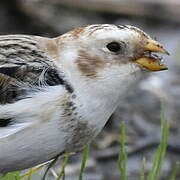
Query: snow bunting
58, 93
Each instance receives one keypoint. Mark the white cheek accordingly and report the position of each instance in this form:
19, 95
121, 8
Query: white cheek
119, 72
119, 77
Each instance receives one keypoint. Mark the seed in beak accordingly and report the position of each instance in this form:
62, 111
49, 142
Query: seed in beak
151, 61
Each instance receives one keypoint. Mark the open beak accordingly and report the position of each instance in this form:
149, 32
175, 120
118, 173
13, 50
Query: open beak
149, 61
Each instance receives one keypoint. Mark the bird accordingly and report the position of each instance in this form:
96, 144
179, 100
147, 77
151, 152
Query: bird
56, 94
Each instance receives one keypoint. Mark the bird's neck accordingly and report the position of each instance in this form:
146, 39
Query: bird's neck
98, 98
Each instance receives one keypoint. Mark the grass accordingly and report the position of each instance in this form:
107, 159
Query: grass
153, 174
11, 176
62, 172
142, 175
161, 150
83, 163
51, 164
122, 156
158, 156
176, 169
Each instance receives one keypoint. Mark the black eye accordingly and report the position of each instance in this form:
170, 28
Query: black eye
114, 47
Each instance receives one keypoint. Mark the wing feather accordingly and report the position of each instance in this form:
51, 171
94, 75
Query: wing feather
24, 64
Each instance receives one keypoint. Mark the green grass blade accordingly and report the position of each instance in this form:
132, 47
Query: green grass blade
122, 156
12, 176
142, 176
49, 166
30, 174
62, 172
31, 171
83, 163
161, 151
175, 171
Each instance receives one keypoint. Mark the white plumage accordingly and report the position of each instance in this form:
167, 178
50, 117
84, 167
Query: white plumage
57, 94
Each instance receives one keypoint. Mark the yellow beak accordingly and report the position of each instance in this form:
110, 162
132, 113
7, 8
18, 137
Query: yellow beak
152, 63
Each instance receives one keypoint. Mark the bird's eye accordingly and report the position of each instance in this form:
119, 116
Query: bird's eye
114, 47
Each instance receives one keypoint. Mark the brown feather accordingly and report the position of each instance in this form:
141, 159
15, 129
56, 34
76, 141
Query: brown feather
89, 65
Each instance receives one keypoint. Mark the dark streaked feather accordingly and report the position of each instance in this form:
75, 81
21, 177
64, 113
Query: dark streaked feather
23, 67
8, 89
5, 122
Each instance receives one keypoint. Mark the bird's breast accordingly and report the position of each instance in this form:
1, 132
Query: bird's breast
79, 135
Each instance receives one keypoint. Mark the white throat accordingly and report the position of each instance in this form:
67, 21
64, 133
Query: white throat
99, 97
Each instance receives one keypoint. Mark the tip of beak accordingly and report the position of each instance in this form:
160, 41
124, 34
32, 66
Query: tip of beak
154, 46
163, 51
167, 53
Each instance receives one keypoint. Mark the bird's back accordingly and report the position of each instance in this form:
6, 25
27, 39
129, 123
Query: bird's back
29, 82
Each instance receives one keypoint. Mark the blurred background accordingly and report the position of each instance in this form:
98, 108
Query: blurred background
140, 109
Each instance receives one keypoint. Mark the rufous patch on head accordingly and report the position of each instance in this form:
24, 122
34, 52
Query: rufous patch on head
89, 65
76, 32
49, 46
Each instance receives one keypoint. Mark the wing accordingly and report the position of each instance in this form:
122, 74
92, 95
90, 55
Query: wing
24, 66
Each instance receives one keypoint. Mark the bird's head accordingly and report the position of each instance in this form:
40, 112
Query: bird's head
95, 47
105, 50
